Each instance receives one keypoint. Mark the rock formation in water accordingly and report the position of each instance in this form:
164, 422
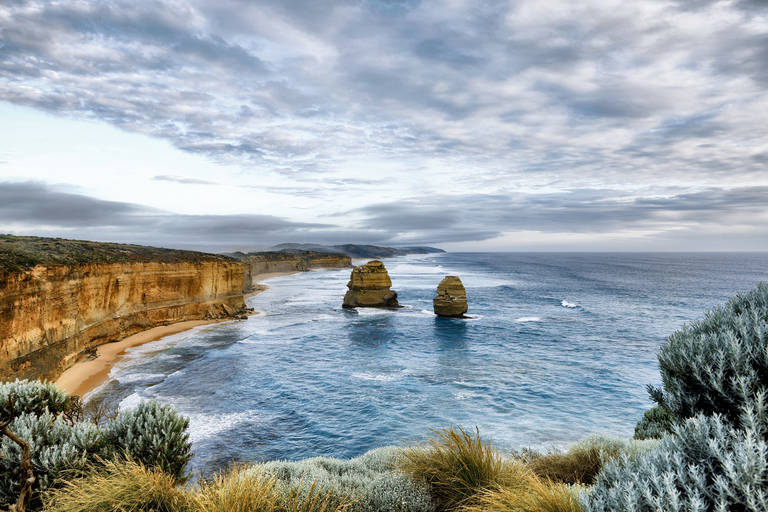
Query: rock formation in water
369, 287
61, 298
451, 299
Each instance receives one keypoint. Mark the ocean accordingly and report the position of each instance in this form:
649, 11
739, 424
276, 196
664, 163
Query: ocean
559, 346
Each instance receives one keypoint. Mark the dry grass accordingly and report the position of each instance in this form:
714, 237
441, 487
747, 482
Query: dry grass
119, 487
236, 491
458, 465
536, 495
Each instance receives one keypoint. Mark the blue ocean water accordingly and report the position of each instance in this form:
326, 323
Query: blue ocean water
559, 346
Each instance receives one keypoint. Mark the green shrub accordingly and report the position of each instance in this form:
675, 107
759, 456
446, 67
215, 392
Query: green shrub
705, 465
719, 364
656, 423
32, 397
152, 433
57, 446
457, 465
370, 481
125, 486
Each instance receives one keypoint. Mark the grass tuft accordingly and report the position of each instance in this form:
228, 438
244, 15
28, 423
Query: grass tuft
237, 491
119, 486
536, 495
457, 465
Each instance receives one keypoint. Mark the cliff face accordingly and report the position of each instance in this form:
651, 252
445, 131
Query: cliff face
51, 314
294, 261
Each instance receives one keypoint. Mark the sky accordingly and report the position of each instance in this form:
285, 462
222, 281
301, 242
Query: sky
477, 125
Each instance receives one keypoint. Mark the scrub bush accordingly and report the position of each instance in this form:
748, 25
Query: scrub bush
57, 446
370, 481
718, 365
152, 433
705, 465
656, 423
32, 397
535, 496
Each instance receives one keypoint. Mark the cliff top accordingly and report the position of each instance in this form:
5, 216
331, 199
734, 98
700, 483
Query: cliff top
361, 250
19, 253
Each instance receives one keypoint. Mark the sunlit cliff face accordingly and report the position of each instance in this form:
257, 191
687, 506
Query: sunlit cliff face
596, 125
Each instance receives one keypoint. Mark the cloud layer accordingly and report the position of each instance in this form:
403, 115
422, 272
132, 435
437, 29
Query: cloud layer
483, 118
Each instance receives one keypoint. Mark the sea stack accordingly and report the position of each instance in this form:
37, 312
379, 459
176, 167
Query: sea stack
451, 299
369, 287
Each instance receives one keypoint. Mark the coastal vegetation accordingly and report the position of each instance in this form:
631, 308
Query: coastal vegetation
703, 447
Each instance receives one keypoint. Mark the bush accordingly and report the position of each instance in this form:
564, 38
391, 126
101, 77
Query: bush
32, 397
126, 486
369, 481
153, 434
582, 462
656, 423
705, 465
718, 365
56, 446
457, 465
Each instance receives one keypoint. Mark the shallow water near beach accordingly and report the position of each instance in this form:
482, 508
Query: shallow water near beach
559, 346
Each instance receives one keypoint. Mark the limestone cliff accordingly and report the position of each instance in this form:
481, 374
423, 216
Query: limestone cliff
369, 287
451, 298
257, 263
58, 300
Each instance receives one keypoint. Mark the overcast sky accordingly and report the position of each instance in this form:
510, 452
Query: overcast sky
470, 125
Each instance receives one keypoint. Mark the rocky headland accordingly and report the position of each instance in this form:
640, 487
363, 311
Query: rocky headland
451, 298
289, 260
61, 298
361, 250
369, 287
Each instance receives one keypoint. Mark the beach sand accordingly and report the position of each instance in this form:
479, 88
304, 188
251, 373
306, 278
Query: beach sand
88, 374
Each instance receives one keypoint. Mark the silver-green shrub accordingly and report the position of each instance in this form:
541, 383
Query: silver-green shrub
33, 397
655, 424
371, 480
719, 364
56, 446
704, 465
153, 434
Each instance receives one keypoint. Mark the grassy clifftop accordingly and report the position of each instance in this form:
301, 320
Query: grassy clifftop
19, 253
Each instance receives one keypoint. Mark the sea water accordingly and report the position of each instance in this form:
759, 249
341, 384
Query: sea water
558, 346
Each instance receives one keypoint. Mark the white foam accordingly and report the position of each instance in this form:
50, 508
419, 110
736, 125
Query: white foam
130, 402
524, 319
567, 304
204, 426
128, 378
381, 377
406, 268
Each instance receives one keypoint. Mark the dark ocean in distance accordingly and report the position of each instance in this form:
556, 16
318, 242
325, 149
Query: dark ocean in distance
559, 346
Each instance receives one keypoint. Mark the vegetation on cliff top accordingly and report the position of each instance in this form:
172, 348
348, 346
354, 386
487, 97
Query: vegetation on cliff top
19, 253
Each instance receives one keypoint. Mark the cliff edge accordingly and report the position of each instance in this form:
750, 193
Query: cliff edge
60, 298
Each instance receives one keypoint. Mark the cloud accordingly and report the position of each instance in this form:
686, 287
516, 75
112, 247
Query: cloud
383, 101
40, 209
182, 180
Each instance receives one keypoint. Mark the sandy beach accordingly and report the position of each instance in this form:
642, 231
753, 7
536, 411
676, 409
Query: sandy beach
88, 374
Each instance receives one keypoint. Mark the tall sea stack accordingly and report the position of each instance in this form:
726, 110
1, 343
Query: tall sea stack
369, 287
451, 299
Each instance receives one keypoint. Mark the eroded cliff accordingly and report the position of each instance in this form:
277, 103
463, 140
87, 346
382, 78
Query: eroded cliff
258, 263
55, 306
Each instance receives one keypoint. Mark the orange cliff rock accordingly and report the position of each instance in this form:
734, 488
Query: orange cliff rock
369, 287
52, 314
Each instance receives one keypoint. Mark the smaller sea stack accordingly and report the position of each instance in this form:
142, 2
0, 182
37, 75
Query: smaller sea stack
369, 287
451, 299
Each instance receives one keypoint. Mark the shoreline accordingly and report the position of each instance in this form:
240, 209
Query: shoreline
88, 374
